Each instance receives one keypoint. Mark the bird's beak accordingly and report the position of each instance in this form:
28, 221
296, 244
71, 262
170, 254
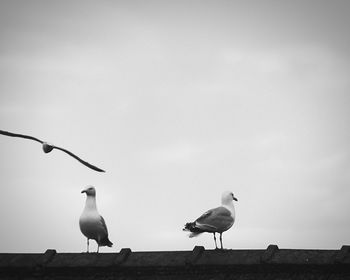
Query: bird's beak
83, 191
235, 199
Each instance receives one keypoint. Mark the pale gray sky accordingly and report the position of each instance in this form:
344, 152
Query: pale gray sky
177, 101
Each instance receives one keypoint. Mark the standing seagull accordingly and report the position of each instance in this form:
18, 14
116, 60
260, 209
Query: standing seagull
49, 147
91, 223
215, 220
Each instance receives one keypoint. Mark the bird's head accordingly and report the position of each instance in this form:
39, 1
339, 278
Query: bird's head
228, 197
90, 191
47, 147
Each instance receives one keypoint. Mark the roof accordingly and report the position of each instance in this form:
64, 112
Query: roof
271, 263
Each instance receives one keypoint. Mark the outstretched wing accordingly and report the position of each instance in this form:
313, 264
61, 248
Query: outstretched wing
79, 159
50, 148
20, 135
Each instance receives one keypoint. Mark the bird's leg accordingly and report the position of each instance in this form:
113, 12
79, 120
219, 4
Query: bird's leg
87, 251
216, 246
222, 247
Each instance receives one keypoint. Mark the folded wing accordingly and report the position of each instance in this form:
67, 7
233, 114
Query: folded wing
215, 220
104, 241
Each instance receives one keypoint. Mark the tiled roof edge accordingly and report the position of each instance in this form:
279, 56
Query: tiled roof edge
272, 255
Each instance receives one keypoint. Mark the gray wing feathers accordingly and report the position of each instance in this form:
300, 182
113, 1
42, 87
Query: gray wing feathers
104, 241
104, 224
217, 219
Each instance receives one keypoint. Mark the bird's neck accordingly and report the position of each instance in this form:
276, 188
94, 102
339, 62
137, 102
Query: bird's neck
90, 203
229, 206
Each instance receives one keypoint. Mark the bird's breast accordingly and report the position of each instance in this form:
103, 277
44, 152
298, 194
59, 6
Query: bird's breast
90, 225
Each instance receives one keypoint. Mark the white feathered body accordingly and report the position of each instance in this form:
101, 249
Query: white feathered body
92, 224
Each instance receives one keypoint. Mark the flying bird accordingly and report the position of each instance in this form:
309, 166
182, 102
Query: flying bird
216, 220
49, 147
91, 223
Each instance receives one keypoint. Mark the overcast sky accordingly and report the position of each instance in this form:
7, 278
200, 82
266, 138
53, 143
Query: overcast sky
177, 101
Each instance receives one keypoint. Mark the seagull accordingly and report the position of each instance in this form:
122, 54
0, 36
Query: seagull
215, 220
91, 223
49, 147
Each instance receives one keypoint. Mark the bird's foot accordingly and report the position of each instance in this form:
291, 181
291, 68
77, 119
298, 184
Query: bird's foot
221, 249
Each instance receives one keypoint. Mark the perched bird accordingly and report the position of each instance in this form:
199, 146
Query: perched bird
49, 147
215, 220
91, 223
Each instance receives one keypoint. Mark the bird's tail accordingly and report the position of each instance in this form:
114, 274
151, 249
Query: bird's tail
194, 234
195, 231
105, 242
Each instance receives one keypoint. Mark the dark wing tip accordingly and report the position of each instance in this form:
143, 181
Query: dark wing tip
105, 242
98, 169
191, 227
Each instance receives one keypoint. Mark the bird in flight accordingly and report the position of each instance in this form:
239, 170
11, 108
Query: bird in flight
91, 223
49, 147
216, 220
